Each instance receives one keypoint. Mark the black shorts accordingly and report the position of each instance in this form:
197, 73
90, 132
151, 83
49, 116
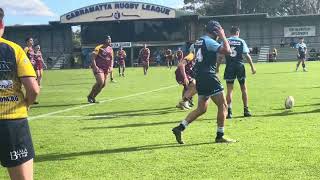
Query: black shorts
208, 85
302, 56
235, 71
16, 145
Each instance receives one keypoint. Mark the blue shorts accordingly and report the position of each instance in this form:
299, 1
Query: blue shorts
208, 85
16, 145
302, 56
235, 71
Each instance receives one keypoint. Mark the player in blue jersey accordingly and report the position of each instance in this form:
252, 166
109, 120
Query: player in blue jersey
302, 52
235, 69
208, 85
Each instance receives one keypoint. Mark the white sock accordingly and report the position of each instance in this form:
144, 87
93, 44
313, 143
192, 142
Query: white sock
185, 123
230, 105
220, 129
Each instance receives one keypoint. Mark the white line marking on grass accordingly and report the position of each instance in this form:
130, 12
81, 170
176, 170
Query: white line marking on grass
82, 117
103, 101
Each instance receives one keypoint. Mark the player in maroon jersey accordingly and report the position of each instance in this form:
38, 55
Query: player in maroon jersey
144, 56
179, 55
30, 51
121, 54
102, 66
169, 58
39, 63
185, 77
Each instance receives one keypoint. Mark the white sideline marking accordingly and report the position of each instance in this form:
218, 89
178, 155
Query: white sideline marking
82, 117
103, 101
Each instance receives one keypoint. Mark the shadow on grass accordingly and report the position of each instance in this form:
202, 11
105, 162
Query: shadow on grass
141, 112
139, 125
288, 113
68, 156
306, 105
55, 105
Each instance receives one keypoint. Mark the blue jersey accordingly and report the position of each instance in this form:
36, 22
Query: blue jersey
302, 48
206, 55
238, 48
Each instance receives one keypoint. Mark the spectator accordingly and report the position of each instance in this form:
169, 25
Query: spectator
282, 43
274, 54
292, 43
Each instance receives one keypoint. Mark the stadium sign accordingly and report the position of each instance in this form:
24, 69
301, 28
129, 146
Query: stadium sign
299, 31
121, 44
118, 11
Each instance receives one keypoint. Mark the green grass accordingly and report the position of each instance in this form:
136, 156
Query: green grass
130, 138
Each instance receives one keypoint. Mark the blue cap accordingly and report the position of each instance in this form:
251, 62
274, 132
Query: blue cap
213, 27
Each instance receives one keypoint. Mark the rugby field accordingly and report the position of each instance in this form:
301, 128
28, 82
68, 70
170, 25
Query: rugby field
128, 134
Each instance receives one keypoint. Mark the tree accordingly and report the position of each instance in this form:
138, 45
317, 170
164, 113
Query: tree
272, 7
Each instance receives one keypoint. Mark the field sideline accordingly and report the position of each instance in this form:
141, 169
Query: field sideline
128, 134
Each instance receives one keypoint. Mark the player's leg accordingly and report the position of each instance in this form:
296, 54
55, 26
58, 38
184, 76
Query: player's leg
168, 63
244, 92
229, 97
221, 103
22, 172
303, 64
241, 75
16, 149
298, 64
38, 73
123, 69
201, 109
184, 90
112, 77
189, 92
119, 68
230, 74
97, 87
147, 67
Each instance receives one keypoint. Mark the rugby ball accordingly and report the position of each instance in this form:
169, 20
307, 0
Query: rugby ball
289, 103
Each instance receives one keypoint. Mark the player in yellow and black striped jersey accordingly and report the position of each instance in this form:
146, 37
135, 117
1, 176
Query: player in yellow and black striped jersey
16, 148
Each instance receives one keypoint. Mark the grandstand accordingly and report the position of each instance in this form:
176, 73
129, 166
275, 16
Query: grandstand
173, 28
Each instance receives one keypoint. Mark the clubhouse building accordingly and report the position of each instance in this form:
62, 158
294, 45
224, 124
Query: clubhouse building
133, 24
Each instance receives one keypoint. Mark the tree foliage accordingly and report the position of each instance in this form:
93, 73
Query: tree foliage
272, 7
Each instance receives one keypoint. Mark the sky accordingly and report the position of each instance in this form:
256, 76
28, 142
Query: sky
28, 12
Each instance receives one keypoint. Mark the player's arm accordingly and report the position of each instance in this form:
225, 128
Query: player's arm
225, 47
27, 76
124, 54
112, 60
94, 57
246, 53
32, 89
182, 68
249, 60
93, 61
149, 52
220, 60
42, 61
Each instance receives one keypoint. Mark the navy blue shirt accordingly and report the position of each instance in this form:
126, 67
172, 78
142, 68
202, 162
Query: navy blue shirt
206, 55
302, 47
238, 48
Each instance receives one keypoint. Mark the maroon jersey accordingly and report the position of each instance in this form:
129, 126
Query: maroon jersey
104, 59
179, 55
188, 69
38, 60
122, 55
169, 55
30, 53
145, 54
